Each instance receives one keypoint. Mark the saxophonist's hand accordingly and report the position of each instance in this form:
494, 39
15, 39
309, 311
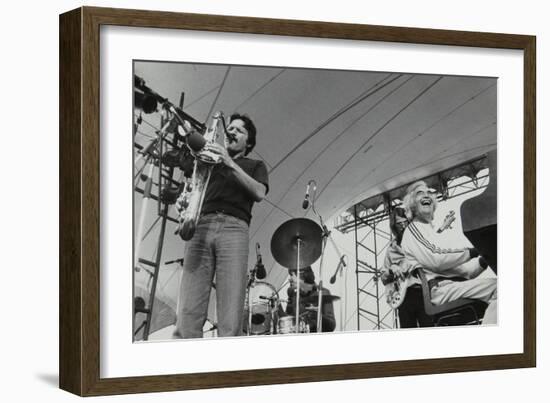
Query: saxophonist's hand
221, 151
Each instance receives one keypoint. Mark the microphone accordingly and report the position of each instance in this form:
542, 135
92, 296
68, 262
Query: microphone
194, 140
341, 264
305, 203
260, 268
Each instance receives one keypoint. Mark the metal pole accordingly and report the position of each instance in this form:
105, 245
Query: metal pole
156, 272
320, 292
297, 323
162, 233
144, 205
357, 266
250, 285
376, 278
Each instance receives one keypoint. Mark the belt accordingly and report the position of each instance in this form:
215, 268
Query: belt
435, 281
221, 211
224, 212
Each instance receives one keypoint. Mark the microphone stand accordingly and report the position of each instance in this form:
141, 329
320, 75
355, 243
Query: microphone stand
326, 235
343, 289
161, 134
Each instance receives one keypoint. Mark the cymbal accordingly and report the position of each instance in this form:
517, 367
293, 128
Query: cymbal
314, 297
284, 243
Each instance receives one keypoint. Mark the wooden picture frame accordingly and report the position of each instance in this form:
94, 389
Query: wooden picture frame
80, 199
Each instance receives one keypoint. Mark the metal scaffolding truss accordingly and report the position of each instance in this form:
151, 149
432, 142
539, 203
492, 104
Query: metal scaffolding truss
371, 240
369, 219
149, 189
160, 155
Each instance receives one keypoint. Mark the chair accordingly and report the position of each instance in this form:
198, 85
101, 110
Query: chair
463, 311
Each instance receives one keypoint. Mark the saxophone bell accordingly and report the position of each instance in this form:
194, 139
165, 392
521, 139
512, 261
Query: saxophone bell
186, 230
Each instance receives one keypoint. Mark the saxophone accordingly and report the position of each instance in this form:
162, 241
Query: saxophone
189, 202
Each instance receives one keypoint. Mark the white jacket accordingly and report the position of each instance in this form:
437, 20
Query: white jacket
422, 243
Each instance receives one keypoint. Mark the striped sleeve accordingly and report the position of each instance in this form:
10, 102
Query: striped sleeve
431, 256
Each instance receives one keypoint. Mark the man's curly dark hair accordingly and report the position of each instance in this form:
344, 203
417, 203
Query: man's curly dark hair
250, 128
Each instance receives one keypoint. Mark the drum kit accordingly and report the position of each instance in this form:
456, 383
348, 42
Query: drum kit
296, 244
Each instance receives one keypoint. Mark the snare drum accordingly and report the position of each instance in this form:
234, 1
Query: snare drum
286, 325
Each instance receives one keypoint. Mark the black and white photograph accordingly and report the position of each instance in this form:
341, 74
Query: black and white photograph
282, 201
254, 201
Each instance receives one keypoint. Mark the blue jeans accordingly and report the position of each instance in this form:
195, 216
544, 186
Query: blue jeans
219, 247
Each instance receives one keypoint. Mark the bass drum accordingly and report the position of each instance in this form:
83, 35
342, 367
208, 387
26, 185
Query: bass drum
260, 309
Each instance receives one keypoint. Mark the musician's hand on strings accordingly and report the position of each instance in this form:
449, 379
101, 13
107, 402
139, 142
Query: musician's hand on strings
397, 272
387, 277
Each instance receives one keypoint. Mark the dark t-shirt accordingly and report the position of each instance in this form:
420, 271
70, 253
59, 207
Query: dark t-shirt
225, 194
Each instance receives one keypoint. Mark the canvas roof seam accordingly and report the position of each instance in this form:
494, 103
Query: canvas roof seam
366, 94
430, 127
219, 92
367, 91
347, 128
379, 130
260, 89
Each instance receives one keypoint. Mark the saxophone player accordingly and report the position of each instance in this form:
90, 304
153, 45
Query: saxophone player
219, 246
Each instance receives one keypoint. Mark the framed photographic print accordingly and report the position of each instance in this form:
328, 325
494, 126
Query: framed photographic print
249, 201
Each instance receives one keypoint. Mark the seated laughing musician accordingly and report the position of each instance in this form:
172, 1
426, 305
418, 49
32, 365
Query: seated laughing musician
446, 266
397, 268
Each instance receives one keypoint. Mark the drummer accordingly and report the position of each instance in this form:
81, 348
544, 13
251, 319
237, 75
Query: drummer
309, 301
